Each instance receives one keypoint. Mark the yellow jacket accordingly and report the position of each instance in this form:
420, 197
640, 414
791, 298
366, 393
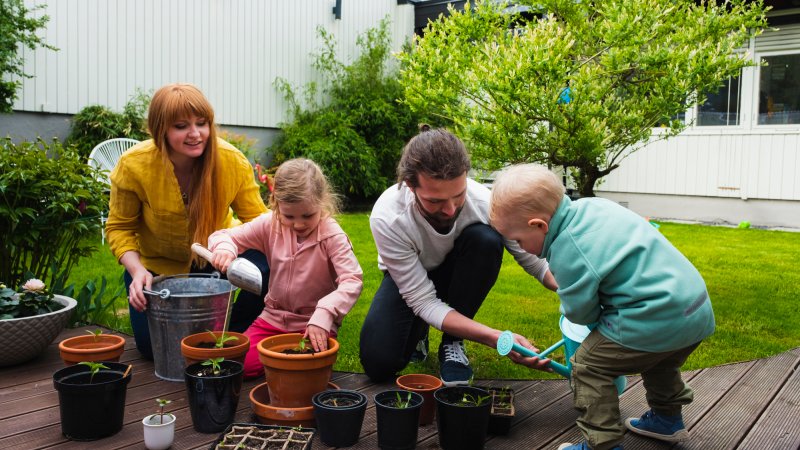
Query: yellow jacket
147, 214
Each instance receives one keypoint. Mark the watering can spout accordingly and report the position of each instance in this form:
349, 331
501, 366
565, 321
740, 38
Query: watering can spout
505, 344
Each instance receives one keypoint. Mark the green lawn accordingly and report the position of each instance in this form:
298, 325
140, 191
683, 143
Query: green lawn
752, 276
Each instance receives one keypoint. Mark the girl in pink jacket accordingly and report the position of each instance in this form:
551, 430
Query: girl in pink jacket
315, 278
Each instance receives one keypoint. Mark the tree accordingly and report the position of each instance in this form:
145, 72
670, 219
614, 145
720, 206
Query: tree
572, 83
17, 27
352, 124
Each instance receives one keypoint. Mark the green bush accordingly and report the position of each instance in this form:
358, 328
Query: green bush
50, 201
357, 135
95, 124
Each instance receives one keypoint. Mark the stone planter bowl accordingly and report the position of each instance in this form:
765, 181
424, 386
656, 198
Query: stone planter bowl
26, 338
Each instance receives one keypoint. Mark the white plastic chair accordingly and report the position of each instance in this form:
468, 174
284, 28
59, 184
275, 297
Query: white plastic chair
104, 156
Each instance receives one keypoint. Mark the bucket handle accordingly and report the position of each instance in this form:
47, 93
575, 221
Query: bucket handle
164, 293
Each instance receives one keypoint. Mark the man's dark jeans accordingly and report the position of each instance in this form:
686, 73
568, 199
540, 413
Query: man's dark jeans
245, 310
391, 330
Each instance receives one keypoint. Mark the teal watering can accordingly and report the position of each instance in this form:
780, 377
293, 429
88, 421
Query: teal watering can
572, 336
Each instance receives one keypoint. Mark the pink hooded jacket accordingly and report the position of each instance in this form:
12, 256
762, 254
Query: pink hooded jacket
316, 282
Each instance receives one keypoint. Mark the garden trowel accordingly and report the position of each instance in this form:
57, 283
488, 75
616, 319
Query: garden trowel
241, 272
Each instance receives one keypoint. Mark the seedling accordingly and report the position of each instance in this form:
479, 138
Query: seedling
96, 333
402, 404
219, 341
162, 402
214, 363
94, 367
302, 346
471, 400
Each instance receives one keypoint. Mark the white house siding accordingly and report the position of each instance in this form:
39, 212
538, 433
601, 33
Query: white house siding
722, 174
232, 49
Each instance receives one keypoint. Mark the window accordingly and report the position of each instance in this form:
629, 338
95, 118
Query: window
722, 107
779, 90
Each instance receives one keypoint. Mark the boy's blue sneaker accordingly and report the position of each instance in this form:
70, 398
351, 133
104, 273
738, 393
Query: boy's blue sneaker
581, 446
658, 426
454, 369
420, 354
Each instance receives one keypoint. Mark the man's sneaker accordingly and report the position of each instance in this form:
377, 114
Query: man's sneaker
658, 426
454, 366
581, 446
420, 353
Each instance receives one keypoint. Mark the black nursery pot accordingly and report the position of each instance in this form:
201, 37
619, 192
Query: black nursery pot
91, 410
339, 426
462, 427
397, 427
213, 399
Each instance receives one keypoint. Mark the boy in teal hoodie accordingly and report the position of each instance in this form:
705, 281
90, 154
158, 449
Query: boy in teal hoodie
647, 303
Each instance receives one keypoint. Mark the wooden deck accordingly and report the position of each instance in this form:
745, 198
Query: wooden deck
749, 405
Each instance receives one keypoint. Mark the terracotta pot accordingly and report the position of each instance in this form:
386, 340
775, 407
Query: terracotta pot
275, 415
295, 378
26, 338
423, 385
105, 347
233, 350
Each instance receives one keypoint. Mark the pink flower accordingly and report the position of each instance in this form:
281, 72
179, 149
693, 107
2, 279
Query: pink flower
264, 178
33, 285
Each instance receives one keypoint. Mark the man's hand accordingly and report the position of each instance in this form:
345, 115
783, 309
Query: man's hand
532, 362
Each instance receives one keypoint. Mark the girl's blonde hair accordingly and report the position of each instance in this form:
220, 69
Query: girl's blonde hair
528, 190
302, 179
170, 104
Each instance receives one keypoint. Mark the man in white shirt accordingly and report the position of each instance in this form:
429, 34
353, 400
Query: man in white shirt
440, 258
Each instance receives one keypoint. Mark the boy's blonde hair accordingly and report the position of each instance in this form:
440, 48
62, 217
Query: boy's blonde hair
170, 104
526, 189
302, 179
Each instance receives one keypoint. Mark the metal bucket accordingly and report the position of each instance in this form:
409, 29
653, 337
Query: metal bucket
180, 305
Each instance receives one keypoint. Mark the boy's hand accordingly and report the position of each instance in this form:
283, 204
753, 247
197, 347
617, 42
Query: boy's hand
532, 362
318, 337
222, 259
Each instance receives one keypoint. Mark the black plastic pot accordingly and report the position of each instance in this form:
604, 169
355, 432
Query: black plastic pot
91, 407
462, 426
338, 425
213, 399
397, 426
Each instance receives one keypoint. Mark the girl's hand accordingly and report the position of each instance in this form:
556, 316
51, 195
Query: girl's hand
532, 362
221, 259
318, 337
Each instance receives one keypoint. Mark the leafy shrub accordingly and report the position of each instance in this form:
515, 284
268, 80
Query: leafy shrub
357, 135
50, 201
93, 302
96, 123
244, 143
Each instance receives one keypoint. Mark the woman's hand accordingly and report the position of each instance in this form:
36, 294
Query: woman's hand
532, 362
222, 259
318, 337
142, 279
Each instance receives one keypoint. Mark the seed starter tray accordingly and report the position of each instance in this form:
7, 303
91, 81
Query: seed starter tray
252, 436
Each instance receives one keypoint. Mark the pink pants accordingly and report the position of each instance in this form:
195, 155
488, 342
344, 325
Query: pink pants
257, 331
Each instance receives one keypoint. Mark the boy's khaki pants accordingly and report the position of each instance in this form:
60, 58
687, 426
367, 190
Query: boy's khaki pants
595, 365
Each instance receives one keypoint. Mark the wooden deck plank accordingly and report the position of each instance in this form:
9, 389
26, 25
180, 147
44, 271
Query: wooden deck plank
728, 421
750, 405
777, 428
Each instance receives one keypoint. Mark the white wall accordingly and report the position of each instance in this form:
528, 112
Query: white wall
232, 49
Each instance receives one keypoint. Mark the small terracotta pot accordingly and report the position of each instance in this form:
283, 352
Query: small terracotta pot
193, 353
424, 385
295, 378
274, 415
105, 347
